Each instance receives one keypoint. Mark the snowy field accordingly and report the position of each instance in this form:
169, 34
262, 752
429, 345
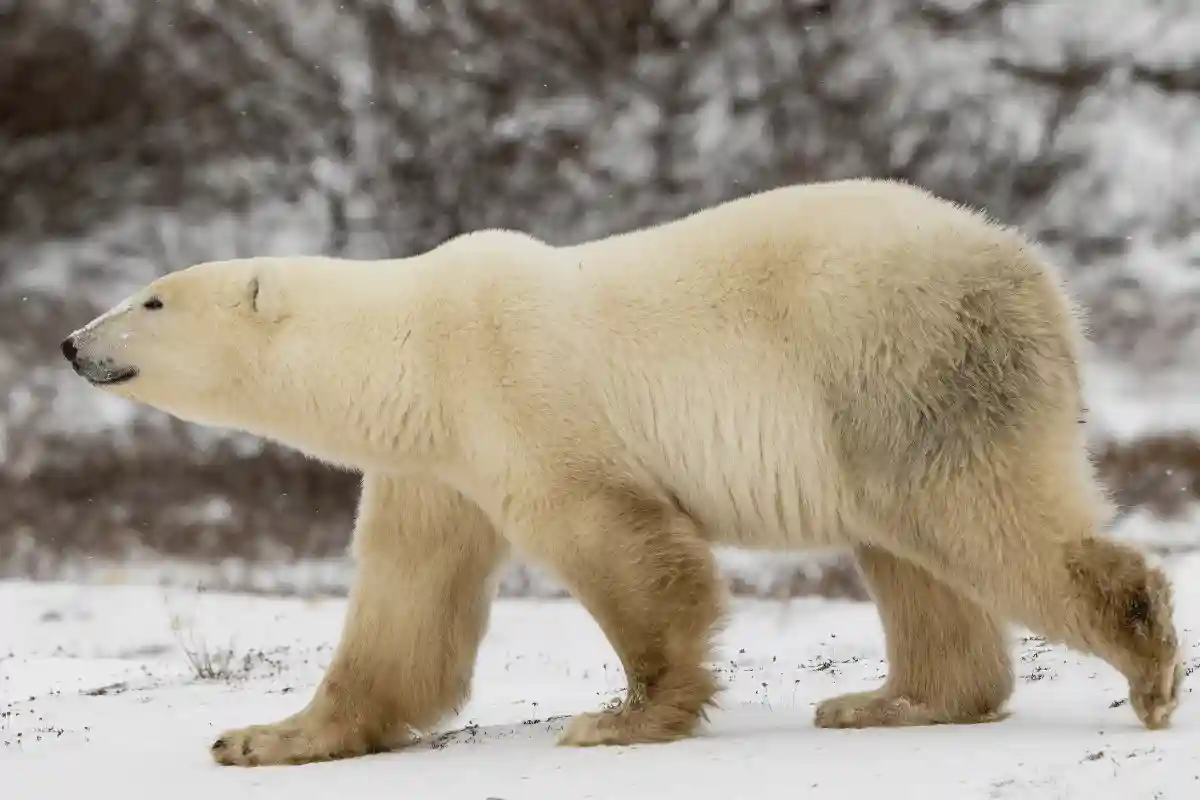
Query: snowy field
98, 696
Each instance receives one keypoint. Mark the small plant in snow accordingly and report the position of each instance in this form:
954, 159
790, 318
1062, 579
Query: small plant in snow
207, 664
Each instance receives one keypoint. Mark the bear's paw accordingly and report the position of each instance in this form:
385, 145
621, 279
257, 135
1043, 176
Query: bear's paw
299, 740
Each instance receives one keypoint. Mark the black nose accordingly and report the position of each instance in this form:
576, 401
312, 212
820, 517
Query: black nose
68, 349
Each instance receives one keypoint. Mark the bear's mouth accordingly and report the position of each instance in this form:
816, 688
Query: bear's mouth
114, 377
104, 374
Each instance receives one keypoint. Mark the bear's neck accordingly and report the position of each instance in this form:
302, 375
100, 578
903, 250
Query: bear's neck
373, 429
363, 392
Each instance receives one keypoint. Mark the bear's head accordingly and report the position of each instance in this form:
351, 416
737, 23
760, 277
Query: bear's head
192, 343
313, 352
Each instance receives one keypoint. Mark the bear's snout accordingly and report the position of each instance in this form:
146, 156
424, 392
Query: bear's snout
96, 370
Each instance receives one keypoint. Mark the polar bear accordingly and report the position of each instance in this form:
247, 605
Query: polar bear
855, 364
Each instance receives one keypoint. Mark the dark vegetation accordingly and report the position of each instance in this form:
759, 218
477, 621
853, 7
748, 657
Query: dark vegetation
137, 137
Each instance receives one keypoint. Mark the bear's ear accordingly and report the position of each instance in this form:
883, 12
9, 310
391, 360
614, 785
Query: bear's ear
262, 300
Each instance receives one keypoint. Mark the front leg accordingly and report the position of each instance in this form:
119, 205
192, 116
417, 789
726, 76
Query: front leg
417, 612
640, 567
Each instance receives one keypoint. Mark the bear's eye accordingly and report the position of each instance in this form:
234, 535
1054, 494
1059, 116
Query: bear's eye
153, 304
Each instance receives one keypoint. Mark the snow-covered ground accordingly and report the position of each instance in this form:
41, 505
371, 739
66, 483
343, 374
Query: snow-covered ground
97, 696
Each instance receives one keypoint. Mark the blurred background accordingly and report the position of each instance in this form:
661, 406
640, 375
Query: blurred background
140, 136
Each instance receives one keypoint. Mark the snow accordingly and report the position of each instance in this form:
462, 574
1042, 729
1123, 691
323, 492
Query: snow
1125, 405
280, 573
1142, 528
96, 694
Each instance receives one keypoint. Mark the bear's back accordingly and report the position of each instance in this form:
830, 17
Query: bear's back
869, 318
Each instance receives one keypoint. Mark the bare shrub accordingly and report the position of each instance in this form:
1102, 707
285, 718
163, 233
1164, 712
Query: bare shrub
138, 137
207, 664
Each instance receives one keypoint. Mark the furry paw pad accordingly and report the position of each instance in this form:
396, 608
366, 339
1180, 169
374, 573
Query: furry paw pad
291, 743
589, 730
879, 710
1155, 700
868, 710
646, 725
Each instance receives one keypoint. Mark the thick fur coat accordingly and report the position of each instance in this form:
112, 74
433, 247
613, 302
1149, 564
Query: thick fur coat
856, 364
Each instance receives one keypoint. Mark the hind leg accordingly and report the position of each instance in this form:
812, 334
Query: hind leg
1123, 613
948, 660
641, 569
1034, 556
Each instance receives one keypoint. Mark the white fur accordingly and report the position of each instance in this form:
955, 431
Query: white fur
857, 364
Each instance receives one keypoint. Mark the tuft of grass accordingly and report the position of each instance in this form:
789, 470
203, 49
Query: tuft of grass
207, 664
223, 663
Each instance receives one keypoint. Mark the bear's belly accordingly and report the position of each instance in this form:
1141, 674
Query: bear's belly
764, 489
749, 458
768, 508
